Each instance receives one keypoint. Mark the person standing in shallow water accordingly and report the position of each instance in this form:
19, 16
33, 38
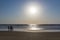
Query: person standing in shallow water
8, 28
11, 28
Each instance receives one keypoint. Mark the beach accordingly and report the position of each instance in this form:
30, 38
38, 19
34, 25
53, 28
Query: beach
5, 35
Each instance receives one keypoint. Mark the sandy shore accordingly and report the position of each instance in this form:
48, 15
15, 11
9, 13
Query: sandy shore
29, 35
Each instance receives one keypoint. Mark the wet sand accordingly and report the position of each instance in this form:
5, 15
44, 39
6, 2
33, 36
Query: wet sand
29, 35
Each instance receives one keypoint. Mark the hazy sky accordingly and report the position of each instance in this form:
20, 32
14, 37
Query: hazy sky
11, 12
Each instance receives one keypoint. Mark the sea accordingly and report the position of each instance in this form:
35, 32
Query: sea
32, 28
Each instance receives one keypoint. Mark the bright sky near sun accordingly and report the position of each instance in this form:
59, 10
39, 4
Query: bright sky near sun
30, 11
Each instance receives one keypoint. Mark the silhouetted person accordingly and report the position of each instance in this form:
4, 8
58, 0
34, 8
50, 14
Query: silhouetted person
8, 28
11, 28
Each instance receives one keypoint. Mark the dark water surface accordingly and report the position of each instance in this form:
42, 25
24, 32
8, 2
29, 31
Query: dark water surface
45, 27
20, 28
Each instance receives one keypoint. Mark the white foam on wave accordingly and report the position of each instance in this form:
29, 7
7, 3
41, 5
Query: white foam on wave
3, 29
25, 30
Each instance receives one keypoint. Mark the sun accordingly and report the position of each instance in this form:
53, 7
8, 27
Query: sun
32, 10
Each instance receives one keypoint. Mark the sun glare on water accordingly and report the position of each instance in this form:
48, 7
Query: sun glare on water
33, 27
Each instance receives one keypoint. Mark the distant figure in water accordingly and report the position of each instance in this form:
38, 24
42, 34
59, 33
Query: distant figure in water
11, 28
8, 28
